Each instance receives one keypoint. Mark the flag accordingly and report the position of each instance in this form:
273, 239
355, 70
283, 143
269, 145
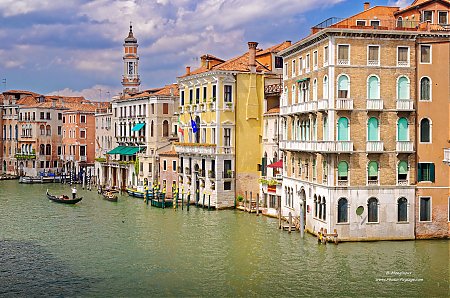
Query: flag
194, 125
180, 130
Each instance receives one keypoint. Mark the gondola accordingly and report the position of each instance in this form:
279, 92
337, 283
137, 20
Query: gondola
63, 199
109, 196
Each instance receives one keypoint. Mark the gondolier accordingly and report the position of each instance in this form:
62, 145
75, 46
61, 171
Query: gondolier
74, 192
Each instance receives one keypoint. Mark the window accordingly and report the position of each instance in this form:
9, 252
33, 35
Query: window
427, 16
402, 172
307, 63
227, 93
342, 210
375, 23
403, 56
48, 116
59, 116
82, 150
373, 55
315, 90
293, 68
425, 89
325, 128
425, 172
227, 137
372, 209
373, 130
425, 131
164, 165
325, 55
191, 96
174, 165
204, 93
402, 130
403, 88
316, 206
151, 129
165, 108
343, 86
443, 17
278, 62
214, 91
343, 54
300, 65
372, 171
82, 118
293, 94
315, 59
425, 209
42, 115
213, 136
165, 128
425, 54
343, 171
82, 134
343, 129
373, 88
402, 210
360, 22
400, 22
48, 149
285, 70
325, 88
197, 95
182, 97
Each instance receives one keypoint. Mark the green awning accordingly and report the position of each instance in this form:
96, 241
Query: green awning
302, 80
126, 150
138, 127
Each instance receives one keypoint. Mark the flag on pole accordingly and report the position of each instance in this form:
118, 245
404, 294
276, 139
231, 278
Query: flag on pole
180, 130
194, 125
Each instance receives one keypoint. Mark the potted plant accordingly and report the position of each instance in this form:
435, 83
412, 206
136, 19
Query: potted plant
229, 174
240, 199
213, 99
228, 105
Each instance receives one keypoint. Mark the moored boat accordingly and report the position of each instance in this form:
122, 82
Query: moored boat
109, 196
135, 192
63, 199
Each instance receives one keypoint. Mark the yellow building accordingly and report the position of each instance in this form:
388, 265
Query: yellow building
225, 101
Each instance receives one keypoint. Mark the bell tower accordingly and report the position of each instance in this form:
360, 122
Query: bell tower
130, 77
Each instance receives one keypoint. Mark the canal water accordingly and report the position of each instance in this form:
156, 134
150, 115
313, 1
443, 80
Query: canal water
127, 249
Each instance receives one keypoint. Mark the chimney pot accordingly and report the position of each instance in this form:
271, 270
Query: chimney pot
366, 5
252, 55
188, 70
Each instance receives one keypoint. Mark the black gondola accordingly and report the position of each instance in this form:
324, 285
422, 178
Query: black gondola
109, 196
62, 199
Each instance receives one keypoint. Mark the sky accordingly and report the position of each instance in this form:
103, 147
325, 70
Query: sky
75, 47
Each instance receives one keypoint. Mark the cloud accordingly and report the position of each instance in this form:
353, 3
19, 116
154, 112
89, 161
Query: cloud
399, 3
96, 92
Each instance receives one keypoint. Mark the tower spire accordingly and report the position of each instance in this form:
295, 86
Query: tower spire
130, 77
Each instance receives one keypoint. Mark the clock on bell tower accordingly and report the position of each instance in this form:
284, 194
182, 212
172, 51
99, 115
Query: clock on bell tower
130, 77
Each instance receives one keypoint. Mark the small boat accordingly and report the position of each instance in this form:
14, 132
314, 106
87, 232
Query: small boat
63, 199
136, 193
109, 196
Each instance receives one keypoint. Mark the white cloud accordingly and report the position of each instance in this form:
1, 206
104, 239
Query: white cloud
10, 8
400, 3
96, 92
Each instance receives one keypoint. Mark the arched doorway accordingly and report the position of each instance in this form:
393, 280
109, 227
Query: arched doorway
4, 166
21, 168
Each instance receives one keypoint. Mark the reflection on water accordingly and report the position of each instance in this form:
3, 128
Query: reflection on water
130, 249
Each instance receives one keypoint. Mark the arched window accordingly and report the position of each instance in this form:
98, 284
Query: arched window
151, 129
343, 129
325, 87
402, 171
293, 94
308, 131
372, 209
299, 132
425, 89
315, 90
343, 86
372, 171
42, 149
342, 210
425, 131
403, 88
343, 171
48, 130
324, 209
373, 88
325, 128
48, 149
166, 128
42, 128
320, 207
373, 129
402, 209
402, 130
316, 206
399, 22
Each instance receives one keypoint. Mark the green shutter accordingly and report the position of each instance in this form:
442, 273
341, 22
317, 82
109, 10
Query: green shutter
373, 88
373, 129
402, 129
342, 169
373, 169
343, 83
431, 172
403, 90
402, 168
343, 129
419, 172
264, 166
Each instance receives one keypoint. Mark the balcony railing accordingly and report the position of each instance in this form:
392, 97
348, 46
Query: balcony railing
402, 182
373, 62
343, 62
211, 174
293, 145
374, 146
447, 156
404, 147
405, 105
180, 170
302, 107
344, 104
372, 182
201, 173
195, 148
322, 104
317, 146
228, 174
375, 104
335, 146
342, 182
24, 156
188, 171
82, 158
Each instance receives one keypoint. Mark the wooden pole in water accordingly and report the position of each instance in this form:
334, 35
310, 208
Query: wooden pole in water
209, 201
279, 212
182, 200
188, 201
290, 222
245, 201
257, 204
302, 221
250, 203
203, 202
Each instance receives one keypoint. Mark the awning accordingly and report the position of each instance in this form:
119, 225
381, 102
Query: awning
138, 127
276, 165
302, 80
126, 150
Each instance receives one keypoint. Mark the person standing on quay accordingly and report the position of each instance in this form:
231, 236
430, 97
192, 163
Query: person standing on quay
74, 192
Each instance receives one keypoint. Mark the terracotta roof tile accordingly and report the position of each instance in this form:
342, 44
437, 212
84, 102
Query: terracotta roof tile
169, 153
273, 111
27, 101
169, 90
21, 92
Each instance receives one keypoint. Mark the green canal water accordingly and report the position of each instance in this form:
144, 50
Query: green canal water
127, 249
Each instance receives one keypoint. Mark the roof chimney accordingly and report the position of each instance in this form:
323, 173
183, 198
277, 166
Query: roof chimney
289, 42
252, 55
366, 5
188, 70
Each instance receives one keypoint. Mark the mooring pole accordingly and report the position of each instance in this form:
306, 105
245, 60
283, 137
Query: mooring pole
203, 204
279, 212
257, 204
290, 222
250, 204
302, 221
188, 201
209, 201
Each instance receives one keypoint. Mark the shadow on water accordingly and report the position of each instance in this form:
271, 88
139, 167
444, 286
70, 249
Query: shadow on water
27, 270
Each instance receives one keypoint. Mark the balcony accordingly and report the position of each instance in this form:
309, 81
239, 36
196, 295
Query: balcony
343, 62
309, 146
335, 147
188, 171
195, 148
344, 104
404, 147
228, 174
374, 104
24, 156
302, 107
201, 173
447, 156
374, 182
211, 174
405, 105
402, 182
322, 105
373, 62
342, 182
82, 158
374, 147
180, 170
